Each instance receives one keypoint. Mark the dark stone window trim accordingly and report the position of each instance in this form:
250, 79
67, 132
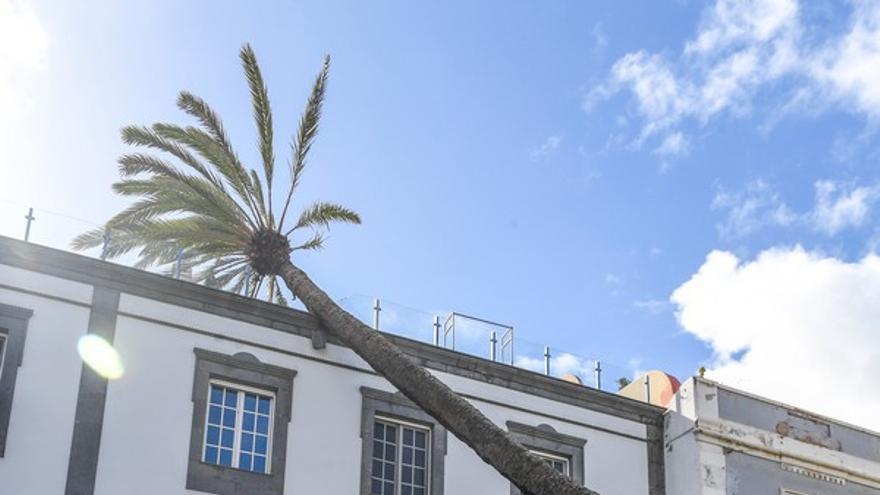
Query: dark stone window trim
244, 369
13, 327
396, 406
544, 438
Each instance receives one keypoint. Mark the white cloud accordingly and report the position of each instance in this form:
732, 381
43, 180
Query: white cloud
599, 36
838, 208
651, 306
748, 211
848, 68
613, 278
549, 145
806, 325
674, 144
741, 48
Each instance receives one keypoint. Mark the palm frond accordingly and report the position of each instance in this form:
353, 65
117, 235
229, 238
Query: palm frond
262, 114
305, 135
224, 161
322, 214
316, 243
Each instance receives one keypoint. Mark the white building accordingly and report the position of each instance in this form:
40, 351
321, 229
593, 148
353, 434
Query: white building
720, 440
227, 395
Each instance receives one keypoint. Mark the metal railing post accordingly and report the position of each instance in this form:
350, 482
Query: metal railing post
647, 389
547, 360
493, 346
436, 330
178, 263
377, 308
598, 375
106, 245
27, 230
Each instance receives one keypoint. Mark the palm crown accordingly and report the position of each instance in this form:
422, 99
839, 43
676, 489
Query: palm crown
204, 209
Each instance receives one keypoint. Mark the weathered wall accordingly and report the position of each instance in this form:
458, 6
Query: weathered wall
797, 424
748, 475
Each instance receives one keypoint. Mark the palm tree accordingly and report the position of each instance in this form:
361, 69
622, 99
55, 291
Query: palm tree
210, 214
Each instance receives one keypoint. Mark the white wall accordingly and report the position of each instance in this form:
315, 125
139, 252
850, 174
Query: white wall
146, 432
41, 421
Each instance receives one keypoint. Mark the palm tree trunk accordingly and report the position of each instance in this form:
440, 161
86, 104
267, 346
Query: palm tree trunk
491, 443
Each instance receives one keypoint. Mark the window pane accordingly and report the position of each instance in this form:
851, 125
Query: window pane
231, 398
259, 464
211, 455
216, 395
264, 405
225, 457
244, 461
213, 435
263, 424
247, 442
229, 417
262, 444
250, 402
227, 437
214, 415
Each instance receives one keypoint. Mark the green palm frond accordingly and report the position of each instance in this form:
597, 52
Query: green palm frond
198, 209
305, 135
316, 243
262, 114
322, 214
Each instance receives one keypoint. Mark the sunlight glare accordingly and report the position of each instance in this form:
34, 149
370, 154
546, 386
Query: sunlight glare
100, 356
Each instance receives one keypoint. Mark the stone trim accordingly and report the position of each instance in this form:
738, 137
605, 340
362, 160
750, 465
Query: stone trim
395, 405
85, 445
13, 327
546, 439
181, 293
244, 369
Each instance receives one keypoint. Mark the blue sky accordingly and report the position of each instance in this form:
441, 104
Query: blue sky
608, 177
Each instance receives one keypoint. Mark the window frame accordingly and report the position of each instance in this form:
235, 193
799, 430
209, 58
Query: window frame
544, 441
13, 326
392, 407
239, 371
547, 456
398, 463
239, 421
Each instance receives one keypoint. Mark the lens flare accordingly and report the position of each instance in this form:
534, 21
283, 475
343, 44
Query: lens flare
100, 356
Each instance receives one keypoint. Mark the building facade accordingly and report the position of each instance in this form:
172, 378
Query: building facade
227, 395
720, 440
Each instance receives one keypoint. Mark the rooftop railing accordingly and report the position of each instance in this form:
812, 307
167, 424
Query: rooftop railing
497, 341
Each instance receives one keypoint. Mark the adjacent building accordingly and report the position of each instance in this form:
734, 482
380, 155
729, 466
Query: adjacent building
720, 440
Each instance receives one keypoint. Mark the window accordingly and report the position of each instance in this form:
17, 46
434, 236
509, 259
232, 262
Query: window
13, 331
241, 411
564, 453
559, 463
404, 449
400, 458
238, 428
